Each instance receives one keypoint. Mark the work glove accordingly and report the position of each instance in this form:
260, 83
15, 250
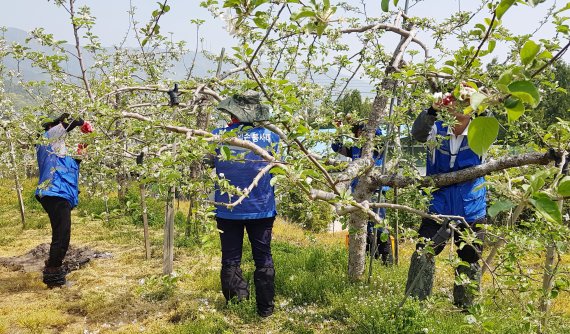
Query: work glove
86, 127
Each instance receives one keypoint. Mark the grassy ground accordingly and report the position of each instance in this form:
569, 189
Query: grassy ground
127, 294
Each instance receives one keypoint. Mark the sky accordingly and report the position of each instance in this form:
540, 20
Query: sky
112, 19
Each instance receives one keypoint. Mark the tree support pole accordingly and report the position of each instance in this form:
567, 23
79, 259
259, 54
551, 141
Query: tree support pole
168, 258
145, 221
17, 180
396, 232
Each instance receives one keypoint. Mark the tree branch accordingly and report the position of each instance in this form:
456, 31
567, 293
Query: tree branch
483, 41
192, 133
442, 180
78, 49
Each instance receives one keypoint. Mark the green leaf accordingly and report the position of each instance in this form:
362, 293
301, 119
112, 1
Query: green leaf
537, 181
515, 108
546, 207
482, 133
506, 77
526, 91
227, 153
545, 55
306, 12
529, 51
503, 6
492, 44
500, 206
321, 29
261, 22
278, 171
396, 2
384, 5
564, 187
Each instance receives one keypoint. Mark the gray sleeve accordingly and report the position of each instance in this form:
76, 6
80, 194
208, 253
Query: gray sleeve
423, 125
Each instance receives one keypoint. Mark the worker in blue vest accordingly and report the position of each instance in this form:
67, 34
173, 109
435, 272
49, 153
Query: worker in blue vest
58, 191
256, 213
466, 199
383, 247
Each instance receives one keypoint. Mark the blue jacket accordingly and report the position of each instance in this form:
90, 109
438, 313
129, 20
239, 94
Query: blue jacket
355, 152
58, 175
261, 201
466, 199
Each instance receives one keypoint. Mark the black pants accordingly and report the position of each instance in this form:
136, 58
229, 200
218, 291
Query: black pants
469, 253
383, 248
259, 233
234, 284
59, 212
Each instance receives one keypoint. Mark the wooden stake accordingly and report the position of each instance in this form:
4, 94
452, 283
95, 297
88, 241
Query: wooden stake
168, 258
145, 221
17, 180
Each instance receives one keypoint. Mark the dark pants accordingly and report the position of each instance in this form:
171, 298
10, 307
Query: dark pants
469, 253
59, 212
383, 248
259, 233
234, 285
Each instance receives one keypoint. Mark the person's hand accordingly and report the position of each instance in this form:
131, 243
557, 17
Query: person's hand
86, 127
444, 101
82, 148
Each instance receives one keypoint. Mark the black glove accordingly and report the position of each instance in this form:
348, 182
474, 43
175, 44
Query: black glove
140, 158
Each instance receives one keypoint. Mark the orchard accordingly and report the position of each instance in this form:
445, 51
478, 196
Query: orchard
146, 177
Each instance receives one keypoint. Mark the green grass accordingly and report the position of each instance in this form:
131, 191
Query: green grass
128, 294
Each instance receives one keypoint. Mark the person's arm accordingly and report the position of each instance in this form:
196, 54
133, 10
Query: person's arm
73, 124
423, 125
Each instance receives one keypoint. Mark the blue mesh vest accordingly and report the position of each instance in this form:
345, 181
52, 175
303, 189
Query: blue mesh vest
58, 175
261, 201
466, 199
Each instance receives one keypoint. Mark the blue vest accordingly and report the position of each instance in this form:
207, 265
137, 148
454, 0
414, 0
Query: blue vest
261, 200
466, 199
356, 152
58, 175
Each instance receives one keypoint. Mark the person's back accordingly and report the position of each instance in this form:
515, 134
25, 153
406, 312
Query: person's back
58, 172
260, 203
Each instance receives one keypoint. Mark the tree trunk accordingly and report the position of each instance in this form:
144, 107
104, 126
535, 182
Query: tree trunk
396, 232
547, 279
188, 229
17, 181
357, 247
145, 222
168, 258
122, 188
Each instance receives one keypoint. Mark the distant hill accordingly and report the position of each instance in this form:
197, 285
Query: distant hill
202, 67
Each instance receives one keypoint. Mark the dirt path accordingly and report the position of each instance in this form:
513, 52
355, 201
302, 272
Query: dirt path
33, 260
